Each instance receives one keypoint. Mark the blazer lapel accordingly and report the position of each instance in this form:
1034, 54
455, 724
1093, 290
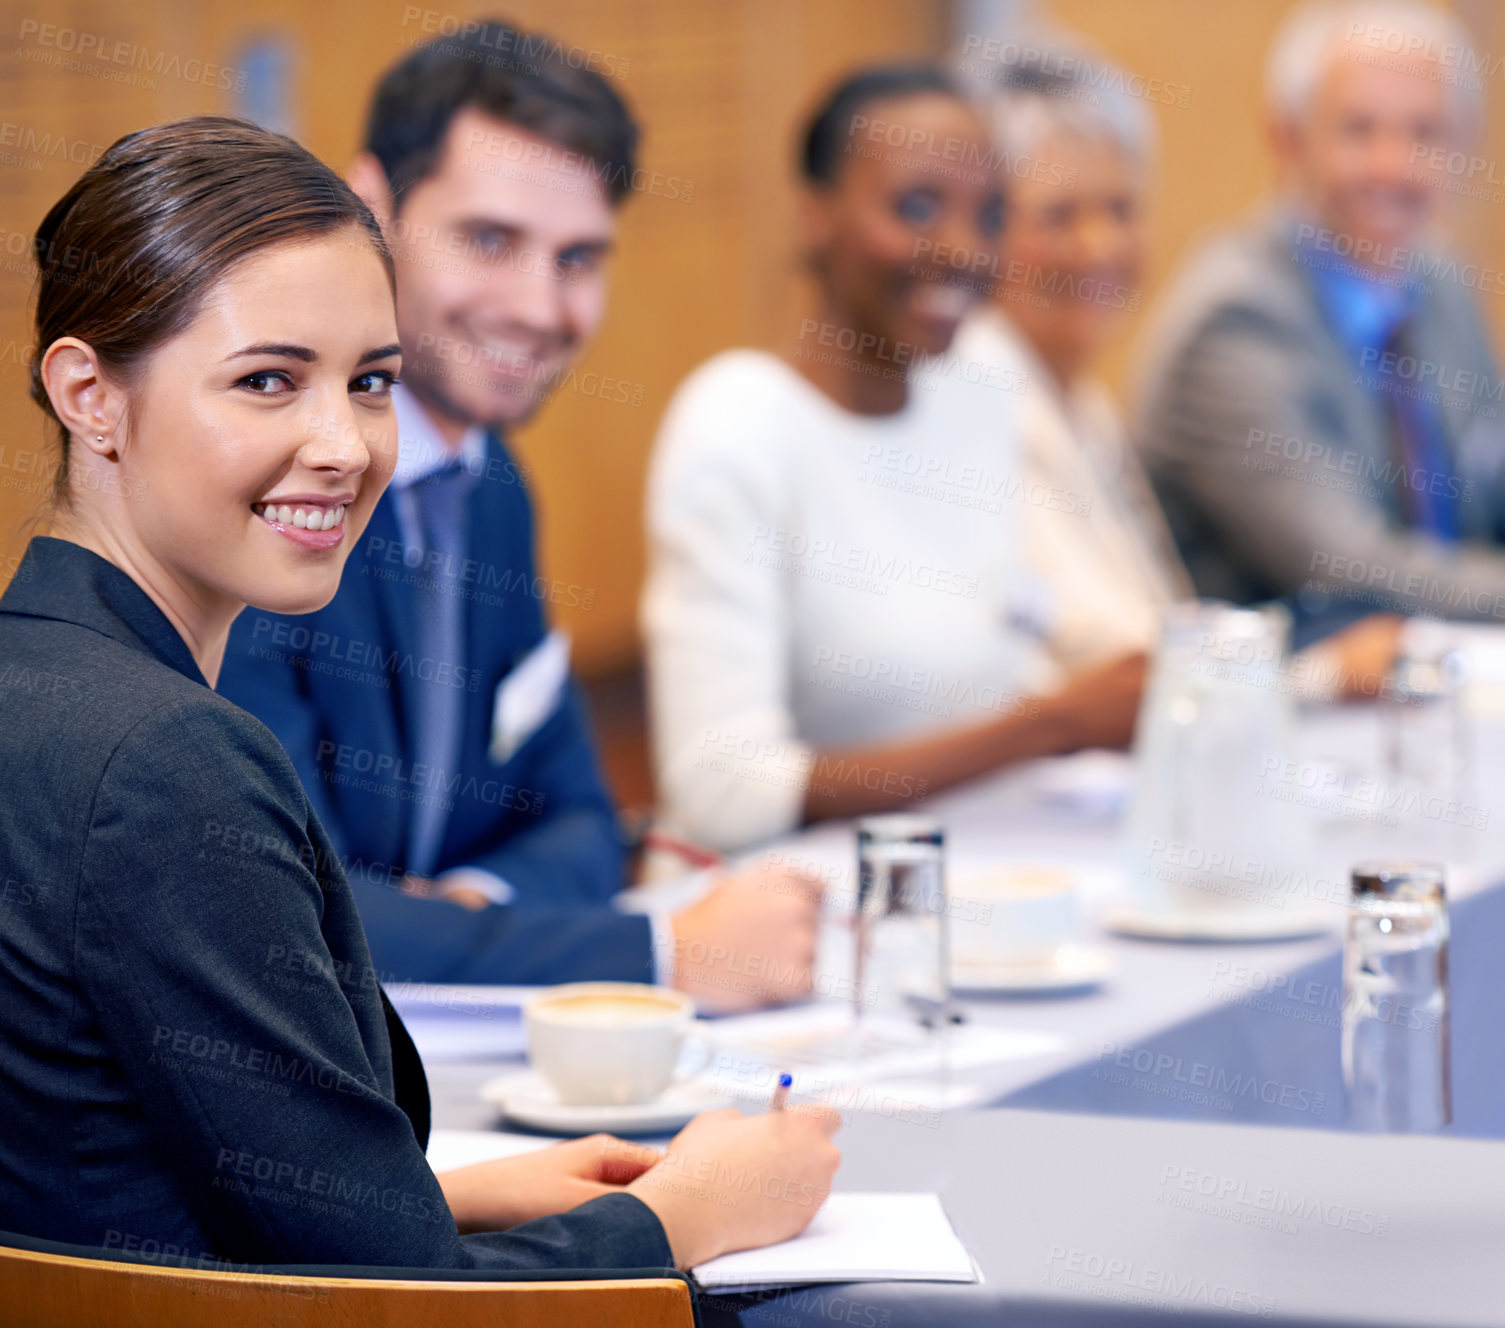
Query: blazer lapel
1470, 401
1361, 422
482, 543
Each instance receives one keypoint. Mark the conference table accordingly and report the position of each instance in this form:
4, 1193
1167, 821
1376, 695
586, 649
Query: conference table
1096, 1181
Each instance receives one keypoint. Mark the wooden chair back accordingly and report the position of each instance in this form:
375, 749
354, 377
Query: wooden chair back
42, 1290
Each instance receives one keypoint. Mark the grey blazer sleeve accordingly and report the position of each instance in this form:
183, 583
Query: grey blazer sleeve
1235, 386
271, 1101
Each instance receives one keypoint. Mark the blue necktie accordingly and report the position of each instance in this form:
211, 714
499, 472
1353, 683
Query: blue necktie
438, 714
1430, 485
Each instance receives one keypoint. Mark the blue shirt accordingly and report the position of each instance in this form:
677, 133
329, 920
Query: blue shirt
1366, 311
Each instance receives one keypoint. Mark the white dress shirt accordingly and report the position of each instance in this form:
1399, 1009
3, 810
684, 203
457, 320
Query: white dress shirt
819, 579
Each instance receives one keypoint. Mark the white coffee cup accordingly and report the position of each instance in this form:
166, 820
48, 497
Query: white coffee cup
1013, 914
607, 1043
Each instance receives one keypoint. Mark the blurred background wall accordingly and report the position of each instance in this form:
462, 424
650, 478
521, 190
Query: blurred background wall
719, 86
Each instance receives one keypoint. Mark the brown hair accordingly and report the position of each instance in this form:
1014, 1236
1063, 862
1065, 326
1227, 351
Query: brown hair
524, 78
126, 257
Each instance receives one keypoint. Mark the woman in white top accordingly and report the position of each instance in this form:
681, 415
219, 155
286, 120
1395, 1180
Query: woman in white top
838, 615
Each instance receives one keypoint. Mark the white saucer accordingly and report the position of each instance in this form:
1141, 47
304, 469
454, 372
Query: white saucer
524, 1098
1066, 969
1266, 925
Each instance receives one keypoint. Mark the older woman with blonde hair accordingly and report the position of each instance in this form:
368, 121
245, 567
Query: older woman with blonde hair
1078, 156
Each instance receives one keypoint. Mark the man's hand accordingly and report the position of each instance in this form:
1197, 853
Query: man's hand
733, 1182
1098, 707
1362, 655
492, 1196
751, 941
423, 888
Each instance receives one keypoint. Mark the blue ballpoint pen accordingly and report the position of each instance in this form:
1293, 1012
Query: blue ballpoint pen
781, 1093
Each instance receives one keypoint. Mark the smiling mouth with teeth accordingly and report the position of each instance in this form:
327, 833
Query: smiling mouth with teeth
949, 300
303, 516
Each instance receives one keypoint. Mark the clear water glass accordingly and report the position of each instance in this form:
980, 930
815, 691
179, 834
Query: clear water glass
1395, 999
1428, 766
902, 962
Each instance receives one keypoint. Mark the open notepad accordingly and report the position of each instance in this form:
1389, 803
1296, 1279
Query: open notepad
854, 1238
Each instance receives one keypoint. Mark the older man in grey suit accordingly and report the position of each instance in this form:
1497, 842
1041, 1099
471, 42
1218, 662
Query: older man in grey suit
1319, 405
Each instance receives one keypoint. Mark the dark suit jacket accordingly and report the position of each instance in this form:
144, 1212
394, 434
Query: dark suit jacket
1273, 457
194, 1049
338, 686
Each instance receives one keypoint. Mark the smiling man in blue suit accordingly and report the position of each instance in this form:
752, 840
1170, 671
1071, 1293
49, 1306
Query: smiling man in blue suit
429, 708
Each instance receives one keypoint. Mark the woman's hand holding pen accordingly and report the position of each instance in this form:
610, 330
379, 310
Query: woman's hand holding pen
733, 1182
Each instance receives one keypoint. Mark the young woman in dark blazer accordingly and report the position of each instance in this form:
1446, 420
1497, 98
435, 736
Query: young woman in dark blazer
194, 1051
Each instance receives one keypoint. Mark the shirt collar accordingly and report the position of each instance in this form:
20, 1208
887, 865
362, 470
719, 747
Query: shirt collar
421, 449
1363, 307
65, 581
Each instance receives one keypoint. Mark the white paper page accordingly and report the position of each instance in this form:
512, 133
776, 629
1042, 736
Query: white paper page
457, 998
449, 1149
854, 1238
902, 1067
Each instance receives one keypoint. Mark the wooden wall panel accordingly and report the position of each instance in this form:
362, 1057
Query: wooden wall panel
58, 110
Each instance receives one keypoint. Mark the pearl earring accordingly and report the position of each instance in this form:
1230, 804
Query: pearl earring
99, 438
